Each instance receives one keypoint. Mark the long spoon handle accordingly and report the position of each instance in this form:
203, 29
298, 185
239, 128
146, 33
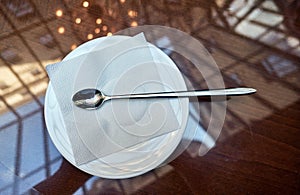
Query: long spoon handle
214, 92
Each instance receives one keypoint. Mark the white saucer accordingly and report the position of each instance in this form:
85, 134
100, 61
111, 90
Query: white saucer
132, 161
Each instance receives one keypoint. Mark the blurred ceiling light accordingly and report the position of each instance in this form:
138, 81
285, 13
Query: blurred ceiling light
98, 21
73, 46
104, 28
109, 34
85, 4
59, 13
134, 23
89, 36
122, 1
97, 30
61, 30
78, 20
132, 13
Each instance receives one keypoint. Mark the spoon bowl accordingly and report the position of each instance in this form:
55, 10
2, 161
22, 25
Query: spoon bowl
89, 99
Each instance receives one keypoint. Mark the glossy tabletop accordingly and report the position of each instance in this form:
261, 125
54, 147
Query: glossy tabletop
254, 43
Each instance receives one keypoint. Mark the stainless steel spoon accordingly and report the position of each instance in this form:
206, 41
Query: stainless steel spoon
92, 98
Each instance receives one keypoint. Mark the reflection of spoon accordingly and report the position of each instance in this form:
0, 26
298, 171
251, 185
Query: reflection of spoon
91, 99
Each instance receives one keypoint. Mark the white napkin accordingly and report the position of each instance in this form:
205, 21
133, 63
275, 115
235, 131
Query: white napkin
122, 68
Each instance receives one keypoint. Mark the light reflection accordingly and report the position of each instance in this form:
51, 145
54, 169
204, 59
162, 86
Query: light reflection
90, 36
132, 13
73, 46
104, 28
134, 23
98, 21
85, 4
97, 30
59, 13
61, 30
109, 34
78, 20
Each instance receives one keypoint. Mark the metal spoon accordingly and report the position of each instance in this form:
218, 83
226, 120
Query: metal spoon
91, 99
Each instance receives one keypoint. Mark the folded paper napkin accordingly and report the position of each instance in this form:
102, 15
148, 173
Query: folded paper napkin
124, 67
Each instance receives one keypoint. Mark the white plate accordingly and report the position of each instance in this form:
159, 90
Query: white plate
132, 161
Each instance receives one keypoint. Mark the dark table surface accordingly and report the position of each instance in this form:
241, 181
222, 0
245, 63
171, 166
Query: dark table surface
254, 43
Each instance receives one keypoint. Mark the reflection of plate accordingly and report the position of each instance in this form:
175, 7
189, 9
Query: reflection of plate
137, 159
